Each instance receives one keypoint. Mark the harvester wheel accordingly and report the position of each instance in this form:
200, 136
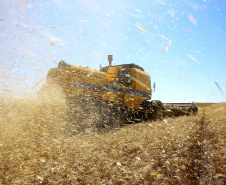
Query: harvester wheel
158, 110
159, 113
111, 115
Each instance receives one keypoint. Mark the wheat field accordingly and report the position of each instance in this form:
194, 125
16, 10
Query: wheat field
35, 147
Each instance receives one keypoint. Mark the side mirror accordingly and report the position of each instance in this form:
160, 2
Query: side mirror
154, 86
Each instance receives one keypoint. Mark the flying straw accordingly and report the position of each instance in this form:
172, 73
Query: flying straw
218, 86
220, 89
167, 47
142, 28
97, 54
192, 19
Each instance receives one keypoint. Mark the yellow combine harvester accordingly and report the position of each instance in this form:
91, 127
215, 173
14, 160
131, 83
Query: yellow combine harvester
116, 94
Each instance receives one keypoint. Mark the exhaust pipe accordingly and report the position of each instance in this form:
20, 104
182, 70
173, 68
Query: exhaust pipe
110, 58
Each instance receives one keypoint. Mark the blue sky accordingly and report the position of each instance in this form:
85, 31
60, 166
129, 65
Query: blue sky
36, 35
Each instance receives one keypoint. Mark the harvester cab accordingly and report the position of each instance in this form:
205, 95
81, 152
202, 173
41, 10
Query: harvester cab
131, 80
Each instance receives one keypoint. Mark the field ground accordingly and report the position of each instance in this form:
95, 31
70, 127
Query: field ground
35, 148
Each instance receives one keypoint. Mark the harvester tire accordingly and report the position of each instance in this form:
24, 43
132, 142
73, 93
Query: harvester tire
158, 110
111, 116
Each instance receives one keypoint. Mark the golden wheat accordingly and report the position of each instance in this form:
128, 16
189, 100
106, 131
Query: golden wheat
36, 149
